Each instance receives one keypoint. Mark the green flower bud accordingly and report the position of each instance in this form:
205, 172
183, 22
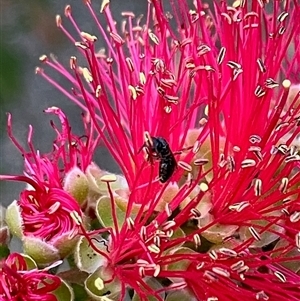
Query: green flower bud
76, 184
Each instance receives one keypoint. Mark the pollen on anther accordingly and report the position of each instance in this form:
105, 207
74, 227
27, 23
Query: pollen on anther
211, 276
104, 4
130, 223
197, 240
286, 84
88, 37
76, 217
221, 55
81, 45
154, 38
236, 266
172, 99
202, 121
68, 10
261, 65
195, 213
99, 284
254, 233
221, 272
170, 233
142, 78
262, 296
132, 92
213, 254
297, 239
242, 206
43, 58
295, 217
58, 20
200, 266
142, 272
129, 64
168, 225
54, 207
199, 162
257, 187
87, 75
228, 252
98, 90
185, 166
206, 110
280, 276
154, 248
117, 38
108, 178
203, 187
212, 299
73, 61
284, 184
156, 271
142, 262
248, 163
168, 109
39, 70
282, 16
143, 233
128, 14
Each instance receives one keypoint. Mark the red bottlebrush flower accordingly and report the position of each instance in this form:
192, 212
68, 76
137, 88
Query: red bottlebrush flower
217, 90
69, 151
42, 218
42, 215
19, 283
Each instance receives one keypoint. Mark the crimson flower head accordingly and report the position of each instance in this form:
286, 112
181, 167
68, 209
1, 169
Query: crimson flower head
211, 212
20, 282
41, 216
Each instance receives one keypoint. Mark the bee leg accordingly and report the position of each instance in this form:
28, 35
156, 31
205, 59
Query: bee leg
144, 145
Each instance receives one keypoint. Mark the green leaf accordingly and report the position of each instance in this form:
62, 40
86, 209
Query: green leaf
178, 233
79, 292
64, 292
217, 232
153, 284
99, 290
266, 237
292, 265
94, 175
77, 185
42, 252
13, 219
86, 258
29, 262
180, 265
180, 295
73, 276
65, 244
105, 215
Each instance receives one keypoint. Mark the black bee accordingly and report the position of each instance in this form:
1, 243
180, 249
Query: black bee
159, 149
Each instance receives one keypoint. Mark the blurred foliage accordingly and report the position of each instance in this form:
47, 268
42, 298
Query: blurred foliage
11, 69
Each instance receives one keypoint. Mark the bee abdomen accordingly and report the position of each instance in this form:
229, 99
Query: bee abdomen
167, 167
